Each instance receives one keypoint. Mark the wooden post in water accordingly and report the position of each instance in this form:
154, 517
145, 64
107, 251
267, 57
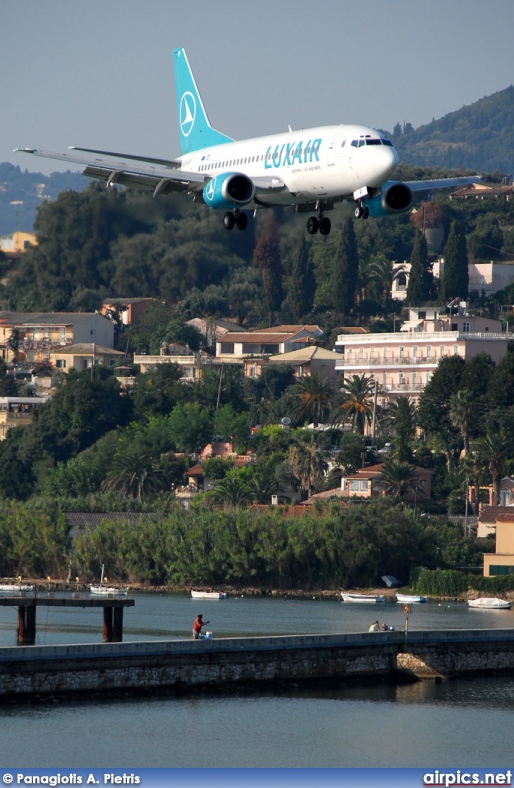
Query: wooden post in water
117, 629
26, 625
107, 628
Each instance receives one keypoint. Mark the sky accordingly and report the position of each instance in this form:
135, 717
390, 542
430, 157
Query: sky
98, 73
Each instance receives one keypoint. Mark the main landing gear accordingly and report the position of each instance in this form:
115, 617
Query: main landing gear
321, 223
240, 220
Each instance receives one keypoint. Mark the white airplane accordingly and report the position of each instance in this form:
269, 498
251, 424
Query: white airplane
313, 170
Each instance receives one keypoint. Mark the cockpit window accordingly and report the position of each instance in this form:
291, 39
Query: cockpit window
373, 141
386, 142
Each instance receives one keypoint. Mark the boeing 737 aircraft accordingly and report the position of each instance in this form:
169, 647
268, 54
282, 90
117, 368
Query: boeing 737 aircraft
312, 170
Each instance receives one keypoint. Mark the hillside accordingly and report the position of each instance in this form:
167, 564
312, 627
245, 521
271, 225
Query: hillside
22, 191
478, 136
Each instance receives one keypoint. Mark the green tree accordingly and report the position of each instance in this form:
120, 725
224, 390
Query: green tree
307, 459
356, 402
267, 258
455, 279
157, 391
400, 415
492, 451
301, 287
136, 474
190, 426
398, 478
345, 269
420, 283
313, 399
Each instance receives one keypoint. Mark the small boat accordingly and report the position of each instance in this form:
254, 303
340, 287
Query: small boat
102, 590
208, 595
363, 598
490, 603
411, 599
15, 588
108, 590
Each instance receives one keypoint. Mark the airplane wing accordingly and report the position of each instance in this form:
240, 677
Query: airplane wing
441, 183
158, 175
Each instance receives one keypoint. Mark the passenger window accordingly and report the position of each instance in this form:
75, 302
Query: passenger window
355, 143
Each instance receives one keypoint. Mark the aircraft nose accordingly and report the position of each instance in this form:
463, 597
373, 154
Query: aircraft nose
384, 164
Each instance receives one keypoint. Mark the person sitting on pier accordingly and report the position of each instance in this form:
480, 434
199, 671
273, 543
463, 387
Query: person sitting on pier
197, 626
375, 627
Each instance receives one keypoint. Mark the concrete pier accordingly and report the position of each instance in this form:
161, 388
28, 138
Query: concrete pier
229, 663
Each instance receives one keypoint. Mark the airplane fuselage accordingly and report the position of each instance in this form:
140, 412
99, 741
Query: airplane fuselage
324, 163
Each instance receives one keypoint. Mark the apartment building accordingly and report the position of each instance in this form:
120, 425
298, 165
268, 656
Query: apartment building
404, 361
31, 336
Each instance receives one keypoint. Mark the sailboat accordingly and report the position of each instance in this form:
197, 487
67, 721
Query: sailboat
104, 590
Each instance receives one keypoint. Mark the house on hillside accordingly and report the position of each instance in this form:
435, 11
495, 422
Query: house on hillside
367, 482
305, 362
124, 311
17, 412
31, 336
403, 362
266, 341
213, 329
84, 355
501, 562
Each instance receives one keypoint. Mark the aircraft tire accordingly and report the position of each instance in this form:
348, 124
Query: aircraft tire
365, 212
358, 212
312, 225
229, 220
242, 221
325, 225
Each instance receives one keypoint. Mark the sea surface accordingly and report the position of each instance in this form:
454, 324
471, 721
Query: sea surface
449, 724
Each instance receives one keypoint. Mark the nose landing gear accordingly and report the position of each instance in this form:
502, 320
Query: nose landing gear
361, 211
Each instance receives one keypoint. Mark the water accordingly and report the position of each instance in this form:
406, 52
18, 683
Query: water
455, 723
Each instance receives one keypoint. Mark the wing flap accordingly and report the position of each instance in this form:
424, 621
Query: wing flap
161, 179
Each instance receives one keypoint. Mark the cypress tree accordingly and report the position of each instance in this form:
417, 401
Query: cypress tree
300, 292
420, 277
346, 264
267, 257
455, 279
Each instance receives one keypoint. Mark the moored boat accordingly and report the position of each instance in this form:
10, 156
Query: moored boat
208, 594
490, 603
411, 599
15, 588
108, 590
102, 590
363, 598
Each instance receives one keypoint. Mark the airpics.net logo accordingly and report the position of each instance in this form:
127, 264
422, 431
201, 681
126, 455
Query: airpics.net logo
187, 113
459, 778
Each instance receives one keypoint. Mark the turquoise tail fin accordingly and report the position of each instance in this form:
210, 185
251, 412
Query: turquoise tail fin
195, 131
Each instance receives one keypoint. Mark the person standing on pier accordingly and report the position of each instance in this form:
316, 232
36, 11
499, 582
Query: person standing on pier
197, 626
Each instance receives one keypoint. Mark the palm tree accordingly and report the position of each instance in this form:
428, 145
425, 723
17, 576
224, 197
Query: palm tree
382, 273
262, 486
135, 473
314, 397
492, 451
357, 402
400, 416
398, 478
232, 490
307, 459
463, 413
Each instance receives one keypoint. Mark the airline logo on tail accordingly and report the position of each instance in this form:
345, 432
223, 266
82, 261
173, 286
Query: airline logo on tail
187, 113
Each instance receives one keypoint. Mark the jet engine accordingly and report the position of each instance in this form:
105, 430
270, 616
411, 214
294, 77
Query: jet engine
229, 190
396, 197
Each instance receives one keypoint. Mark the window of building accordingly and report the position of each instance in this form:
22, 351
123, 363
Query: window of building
465, 327
60, 363
359, 485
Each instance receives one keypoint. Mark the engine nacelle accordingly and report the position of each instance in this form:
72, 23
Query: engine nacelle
232, 189
396, 197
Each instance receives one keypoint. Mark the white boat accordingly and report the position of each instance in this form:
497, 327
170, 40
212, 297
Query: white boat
15, 588
362, 598
108, 590
208, 595
102, 590
411, 599
490, 603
